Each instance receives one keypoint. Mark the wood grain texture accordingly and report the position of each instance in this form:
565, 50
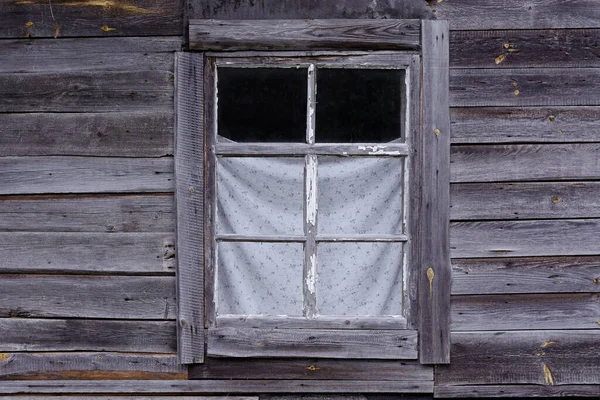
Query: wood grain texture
86, 91
88, 213
525, 87
490, 358
524, 238
548, 162
24, 334
300, 9
525, 312
179, 387
525, 125
79, 19
435, 272
81, 54
189, 197
516, 14
100, 365
39, 175
526, 275
303, 34
312, 369
373, 344
84, 253
118, 297
573, 48
118, 134
518, 391
540, 200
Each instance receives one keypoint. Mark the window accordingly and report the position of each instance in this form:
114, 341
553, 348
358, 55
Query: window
308, 192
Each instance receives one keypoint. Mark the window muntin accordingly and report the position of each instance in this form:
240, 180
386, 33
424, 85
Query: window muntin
388, 235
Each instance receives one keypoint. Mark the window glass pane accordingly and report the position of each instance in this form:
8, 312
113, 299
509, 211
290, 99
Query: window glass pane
262, 104
358, 105
260, 195
259, 278
360, 195
359, 279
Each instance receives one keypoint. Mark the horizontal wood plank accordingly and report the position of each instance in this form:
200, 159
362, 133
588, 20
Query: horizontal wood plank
179, 387
25, 334
518, 391
33, 18
524, 125
303, 34
543, 200
118, 134
488, 358
86, 91
300, 149
548, 162
526, 275
572, 48
373, 344
524, 238
113, 297
66, 174
85, 253
101, 365
516, 14
525, 87
88, 213
312, 369
525, 311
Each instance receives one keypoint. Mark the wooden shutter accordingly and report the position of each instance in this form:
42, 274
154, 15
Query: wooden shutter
189, 197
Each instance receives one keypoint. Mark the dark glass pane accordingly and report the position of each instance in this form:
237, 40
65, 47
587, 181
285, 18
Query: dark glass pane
358, 105
262, 104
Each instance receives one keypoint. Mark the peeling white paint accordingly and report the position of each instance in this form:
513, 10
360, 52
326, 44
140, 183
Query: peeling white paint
311, 190
379, 150
311, 106
311, 275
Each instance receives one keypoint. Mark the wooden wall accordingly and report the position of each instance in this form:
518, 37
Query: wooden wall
87, 286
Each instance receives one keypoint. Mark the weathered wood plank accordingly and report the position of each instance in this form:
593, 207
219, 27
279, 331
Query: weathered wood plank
304, 34
87, 253
525, 311
88, 213
120, 397
544, 200
39, 175
359, 370
75, 19
286, 9
519, 391
548, 162
300, 322
373, 344
119, 134
524, 238
24, 334
189, 197
300, 149
573, 48
487, 358
516, 14
525, 87
86, 91
100, 54
526, 275
435, 272
118, 297
68, 366
526, 125
213, 386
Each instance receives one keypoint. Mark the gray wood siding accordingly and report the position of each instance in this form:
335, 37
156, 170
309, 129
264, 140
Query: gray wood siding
86, 182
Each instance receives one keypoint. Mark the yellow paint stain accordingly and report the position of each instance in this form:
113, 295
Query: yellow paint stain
514, 83
430, 276
516, 92
29, 24
555, 199
499, 59
548, 375
112, 4
540, 353
56, 31
22, 2
99, 357
436, 131
546, 343
312, 368
506, 45
551, 118
107, 28
596, 281
560, 132
4, 356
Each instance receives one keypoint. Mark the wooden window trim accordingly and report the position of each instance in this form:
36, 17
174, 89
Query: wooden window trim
429, 201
